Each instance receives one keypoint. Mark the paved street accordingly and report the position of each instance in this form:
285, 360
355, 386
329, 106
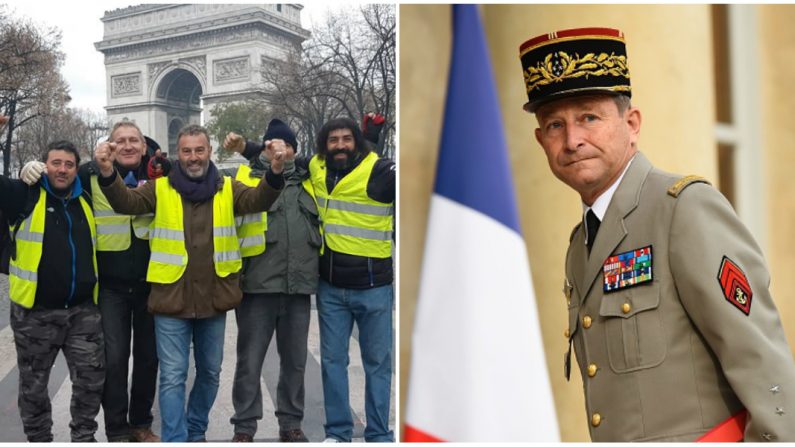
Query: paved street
220, 429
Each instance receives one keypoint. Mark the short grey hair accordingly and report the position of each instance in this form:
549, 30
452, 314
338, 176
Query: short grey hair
623, 102
193, 130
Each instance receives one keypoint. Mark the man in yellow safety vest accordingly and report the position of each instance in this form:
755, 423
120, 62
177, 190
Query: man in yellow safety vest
53, 291
193, 267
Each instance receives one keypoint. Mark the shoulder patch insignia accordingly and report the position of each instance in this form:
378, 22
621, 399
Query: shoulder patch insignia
684, 182
735, 285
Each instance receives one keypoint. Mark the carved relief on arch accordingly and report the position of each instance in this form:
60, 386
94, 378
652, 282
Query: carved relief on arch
231, 69
126, 84
155, 69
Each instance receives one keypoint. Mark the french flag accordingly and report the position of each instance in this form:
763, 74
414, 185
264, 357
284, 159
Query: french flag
478, 371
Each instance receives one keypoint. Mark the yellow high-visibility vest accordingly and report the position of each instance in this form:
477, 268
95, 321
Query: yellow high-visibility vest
351, 222
250, 227
169, 256
23, 271
113, 230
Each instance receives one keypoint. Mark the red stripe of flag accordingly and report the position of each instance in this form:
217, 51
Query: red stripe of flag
411, 434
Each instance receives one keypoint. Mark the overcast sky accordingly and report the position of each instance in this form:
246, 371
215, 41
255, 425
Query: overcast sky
80, 25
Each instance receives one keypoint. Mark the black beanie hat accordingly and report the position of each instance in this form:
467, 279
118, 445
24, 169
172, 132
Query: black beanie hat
151, 146
277, 129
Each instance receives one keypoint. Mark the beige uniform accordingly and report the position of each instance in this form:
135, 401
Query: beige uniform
669, 358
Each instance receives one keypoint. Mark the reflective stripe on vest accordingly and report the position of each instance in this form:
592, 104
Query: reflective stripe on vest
169, 257
352, 222
23, 271
113, 230
250, 227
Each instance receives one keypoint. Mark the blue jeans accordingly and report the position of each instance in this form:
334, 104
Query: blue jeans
371, 309
174, 337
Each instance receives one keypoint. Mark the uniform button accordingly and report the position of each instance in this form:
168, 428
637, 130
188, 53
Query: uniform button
626, 308
566, 333
586, 322
596, 419
592, 371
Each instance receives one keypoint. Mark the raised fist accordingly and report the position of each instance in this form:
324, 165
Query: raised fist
276, 151
234, 142
372, 124
104, 155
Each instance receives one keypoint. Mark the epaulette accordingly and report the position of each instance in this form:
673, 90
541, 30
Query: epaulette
684, 182
574, 231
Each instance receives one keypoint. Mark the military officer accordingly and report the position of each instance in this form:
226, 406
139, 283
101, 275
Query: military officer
674, 329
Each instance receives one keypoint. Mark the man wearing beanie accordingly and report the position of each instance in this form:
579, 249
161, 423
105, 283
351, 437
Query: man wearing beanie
355, 192
280, 251
675, 331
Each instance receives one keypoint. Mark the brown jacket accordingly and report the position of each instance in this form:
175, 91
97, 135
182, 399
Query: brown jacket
668, 359
199, 293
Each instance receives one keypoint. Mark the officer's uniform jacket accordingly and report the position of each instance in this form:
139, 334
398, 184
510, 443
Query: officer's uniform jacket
669, 358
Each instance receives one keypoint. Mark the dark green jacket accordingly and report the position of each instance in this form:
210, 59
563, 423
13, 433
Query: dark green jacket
290, 262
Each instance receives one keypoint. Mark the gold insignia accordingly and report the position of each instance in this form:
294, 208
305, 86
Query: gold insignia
560, 65
684, 182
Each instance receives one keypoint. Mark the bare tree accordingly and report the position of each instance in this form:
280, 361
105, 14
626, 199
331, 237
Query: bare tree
296, 91
31, 86
73, 125
346, 69
96, 126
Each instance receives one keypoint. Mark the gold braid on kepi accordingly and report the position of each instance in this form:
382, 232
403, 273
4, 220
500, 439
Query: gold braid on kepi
574, 62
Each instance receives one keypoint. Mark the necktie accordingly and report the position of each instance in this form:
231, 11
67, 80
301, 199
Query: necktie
592, 224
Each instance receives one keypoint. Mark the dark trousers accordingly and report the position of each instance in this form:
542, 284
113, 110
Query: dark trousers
257, 317
38, 335
125, 319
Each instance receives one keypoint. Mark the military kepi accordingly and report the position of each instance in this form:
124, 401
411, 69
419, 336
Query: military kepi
574, 62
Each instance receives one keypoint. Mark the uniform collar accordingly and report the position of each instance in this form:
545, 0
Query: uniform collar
601, 203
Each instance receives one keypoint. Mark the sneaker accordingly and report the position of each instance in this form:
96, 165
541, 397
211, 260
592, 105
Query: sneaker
331, 440
143, 434
242, 437
294, 435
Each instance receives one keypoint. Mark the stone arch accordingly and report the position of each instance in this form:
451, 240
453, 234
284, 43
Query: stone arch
177, 92
172, 76
177, 61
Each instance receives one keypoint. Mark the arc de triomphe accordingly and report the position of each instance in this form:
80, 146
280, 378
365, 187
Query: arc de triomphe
169, 65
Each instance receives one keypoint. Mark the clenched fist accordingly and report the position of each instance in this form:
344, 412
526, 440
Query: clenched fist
276, 151
234, 142
104, 155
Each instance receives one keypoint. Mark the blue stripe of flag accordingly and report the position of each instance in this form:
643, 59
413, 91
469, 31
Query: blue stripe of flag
473, 166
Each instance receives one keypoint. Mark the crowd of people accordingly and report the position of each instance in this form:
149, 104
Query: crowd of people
133, 254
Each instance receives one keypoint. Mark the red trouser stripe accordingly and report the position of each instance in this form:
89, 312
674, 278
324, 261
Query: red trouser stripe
411, 434
730, 430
